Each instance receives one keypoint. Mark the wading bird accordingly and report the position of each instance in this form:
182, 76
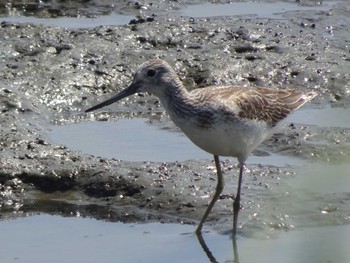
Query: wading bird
221, 120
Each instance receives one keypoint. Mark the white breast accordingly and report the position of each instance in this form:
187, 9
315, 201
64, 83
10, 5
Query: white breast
237, 140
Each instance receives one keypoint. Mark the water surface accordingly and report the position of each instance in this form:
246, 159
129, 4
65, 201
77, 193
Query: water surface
72, 22
275, 10
46, 238
140, 140
252, 8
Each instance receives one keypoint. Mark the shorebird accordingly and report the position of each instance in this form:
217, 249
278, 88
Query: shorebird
221, 120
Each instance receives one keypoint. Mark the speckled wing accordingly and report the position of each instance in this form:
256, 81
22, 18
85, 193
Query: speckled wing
270, 105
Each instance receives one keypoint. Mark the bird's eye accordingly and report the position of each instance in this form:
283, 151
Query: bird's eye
151, 73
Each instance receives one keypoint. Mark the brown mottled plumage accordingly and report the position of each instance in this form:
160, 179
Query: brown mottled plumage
222, 120
270, 105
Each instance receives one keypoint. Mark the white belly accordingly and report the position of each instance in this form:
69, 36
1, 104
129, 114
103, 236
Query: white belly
237, 140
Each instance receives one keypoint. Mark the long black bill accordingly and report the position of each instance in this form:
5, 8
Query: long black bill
133, 88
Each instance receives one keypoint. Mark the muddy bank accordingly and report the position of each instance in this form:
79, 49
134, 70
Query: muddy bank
49, 75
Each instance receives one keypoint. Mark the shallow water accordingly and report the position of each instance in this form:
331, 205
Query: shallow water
127, 139
140, 140
275, 10
323, 117
59, 239
251, 8
72, 22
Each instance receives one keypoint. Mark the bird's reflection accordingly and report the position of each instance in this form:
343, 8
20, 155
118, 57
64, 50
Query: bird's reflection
210, 254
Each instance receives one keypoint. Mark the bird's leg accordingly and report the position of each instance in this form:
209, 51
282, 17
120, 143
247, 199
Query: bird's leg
236, 203
218, 190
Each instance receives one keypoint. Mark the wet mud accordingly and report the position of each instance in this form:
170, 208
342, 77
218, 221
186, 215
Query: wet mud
50, 75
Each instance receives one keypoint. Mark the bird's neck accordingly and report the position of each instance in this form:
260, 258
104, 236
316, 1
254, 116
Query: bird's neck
177, 102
